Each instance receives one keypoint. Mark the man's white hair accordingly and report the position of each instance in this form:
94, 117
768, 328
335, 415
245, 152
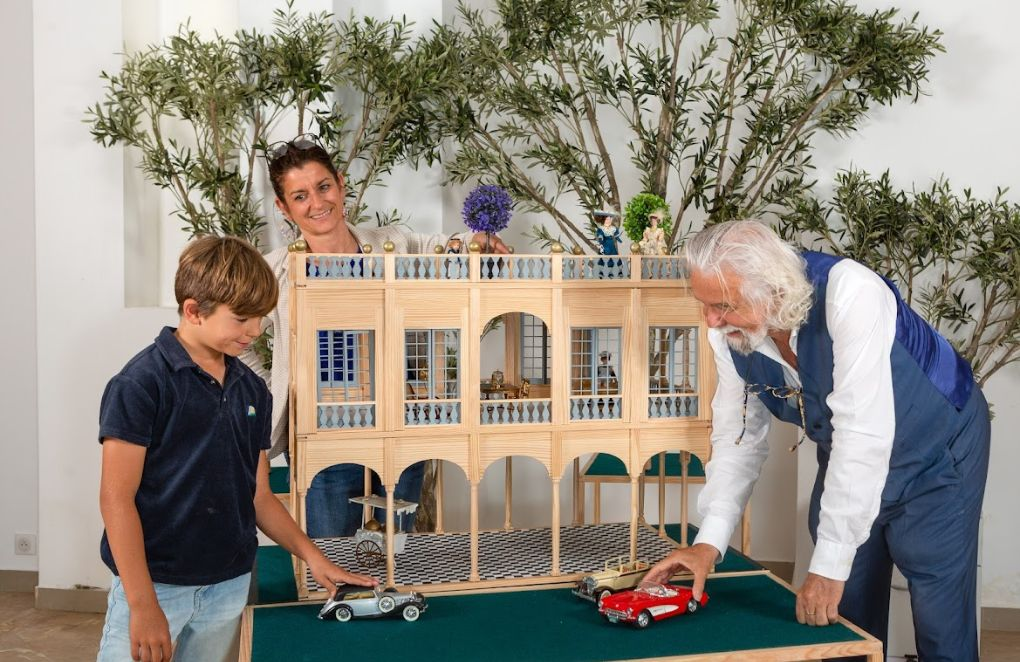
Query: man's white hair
772, 272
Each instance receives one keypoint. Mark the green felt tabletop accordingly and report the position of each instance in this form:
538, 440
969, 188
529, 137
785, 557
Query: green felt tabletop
743, 613
605, 464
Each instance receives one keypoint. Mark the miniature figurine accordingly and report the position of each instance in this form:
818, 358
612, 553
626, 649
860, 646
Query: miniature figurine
653, 240
454, 246
653, 602
605, 375
350, 602
618, 575
608, 234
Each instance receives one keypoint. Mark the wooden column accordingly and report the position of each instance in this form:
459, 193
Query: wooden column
685, 461
555, 527
439, 496
634, 482
474, 531
390, 524
508, 495
662, 494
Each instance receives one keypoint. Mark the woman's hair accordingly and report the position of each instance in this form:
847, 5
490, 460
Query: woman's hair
772, 272
297, 157
225, 270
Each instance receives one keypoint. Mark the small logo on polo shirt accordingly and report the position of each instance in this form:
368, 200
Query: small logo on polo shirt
251, 411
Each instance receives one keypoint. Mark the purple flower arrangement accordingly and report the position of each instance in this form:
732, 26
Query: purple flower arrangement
487, 209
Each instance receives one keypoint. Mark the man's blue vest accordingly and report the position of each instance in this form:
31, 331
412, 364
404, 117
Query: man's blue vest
931, 383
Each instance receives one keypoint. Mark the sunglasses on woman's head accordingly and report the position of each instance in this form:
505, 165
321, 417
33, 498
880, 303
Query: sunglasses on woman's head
301, 143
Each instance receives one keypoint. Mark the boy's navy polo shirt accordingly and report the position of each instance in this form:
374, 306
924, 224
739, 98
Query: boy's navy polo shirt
196, 496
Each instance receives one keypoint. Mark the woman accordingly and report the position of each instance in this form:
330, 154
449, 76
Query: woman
310, 194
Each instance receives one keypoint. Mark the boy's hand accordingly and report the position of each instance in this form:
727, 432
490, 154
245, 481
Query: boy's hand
150, 634
329, 575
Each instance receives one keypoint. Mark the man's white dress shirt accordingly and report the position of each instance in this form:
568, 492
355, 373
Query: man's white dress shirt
860, 311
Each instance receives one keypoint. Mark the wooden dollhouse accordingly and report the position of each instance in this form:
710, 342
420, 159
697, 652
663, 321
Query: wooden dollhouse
385, 365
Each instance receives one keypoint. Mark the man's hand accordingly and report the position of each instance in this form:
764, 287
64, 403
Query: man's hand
490, 243
150, 633
330, 575
818, 600
698, 559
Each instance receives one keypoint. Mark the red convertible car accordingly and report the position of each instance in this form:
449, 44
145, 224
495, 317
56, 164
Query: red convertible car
650, 603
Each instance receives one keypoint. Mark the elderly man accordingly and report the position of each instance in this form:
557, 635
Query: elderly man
901, 430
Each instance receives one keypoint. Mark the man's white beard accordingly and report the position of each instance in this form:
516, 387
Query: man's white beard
747, 341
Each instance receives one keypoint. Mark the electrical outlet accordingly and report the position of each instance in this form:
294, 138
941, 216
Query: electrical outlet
24, 544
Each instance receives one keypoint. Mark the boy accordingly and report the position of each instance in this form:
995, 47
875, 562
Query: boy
185, 481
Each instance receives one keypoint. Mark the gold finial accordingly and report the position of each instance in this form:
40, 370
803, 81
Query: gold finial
556, 247
388, 246
366, 248
577, 250
474, 247
299, 246
635, 248
437, 249
510, 249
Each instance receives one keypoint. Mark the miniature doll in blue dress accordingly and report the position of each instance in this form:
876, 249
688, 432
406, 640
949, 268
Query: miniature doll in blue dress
608, 234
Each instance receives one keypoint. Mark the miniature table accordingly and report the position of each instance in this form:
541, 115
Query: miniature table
749, 616
503, 391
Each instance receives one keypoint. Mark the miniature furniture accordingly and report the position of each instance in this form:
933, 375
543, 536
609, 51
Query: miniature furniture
383, 350
750, 617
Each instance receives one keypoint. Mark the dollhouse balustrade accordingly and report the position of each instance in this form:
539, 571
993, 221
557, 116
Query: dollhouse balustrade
431, 413
346, 416
344, 267
662, 268
595, 268
595, 408
511, 412
672, 406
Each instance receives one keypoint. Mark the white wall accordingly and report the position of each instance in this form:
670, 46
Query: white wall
88, 333
966, 130
19, 471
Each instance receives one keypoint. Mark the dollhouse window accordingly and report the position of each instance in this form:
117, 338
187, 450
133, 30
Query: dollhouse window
595, 361
433, 364
536, 346
345, 365
672, 359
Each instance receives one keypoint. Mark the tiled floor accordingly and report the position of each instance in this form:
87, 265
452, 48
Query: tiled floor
27, 634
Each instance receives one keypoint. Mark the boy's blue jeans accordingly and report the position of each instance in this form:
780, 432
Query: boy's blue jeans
203, 620
328, 510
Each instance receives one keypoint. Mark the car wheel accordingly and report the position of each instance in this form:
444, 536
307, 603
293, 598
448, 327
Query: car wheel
343, 614
386, 604
602, 595
644, 619
411, 613
692, 606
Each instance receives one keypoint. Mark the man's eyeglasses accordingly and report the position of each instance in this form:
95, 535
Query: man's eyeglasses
784, 392
301, 143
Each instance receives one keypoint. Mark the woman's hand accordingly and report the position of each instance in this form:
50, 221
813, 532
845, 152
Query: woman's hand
490, 243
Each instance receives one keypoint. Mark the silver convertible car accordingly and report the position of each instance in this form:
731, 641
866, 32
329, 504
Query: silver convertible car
363, 602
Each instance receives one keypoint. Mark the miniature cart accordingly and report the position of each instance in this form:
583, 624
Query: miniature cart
370, 544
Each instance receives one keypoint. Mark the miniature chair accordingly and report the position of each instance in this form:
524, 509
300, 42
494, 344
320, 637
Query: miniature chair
524, 390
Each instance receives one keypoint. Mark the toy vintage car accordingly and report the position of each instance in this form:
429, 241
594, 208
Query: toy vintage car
365, 602
650, 603
618, 575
